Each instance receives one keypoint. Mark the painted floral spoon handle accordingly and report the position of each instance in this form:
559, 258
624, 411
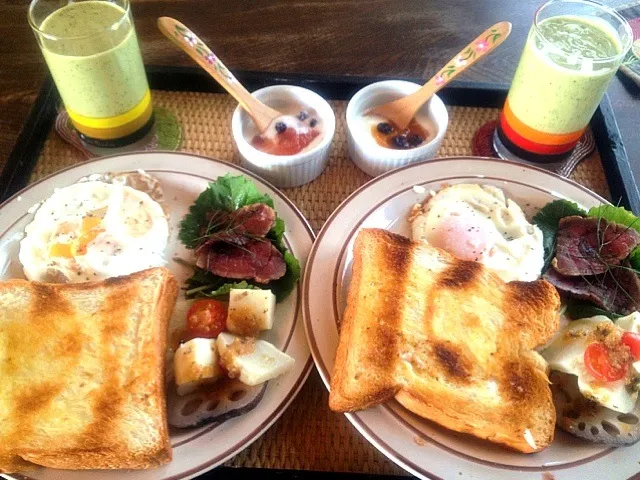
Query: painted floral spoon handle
486, 42
188, 41
401, 111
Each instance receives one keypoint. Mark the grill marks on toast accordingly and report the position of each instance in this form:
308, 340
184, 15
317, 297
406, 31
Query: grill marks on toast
37, 398
460, 275
30, 402
462, 351
389, 316
520, 303
452, 361
519, 382
108, 400
25, 337
46, 298
93, 402
371, 376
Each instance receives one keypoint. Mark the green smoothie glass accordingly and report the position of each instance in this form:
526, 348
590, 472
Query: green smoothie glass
573, 50
91, 49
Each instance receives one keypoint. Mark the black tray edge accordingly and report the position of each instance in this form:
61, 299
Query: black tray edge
613, 156
25, 153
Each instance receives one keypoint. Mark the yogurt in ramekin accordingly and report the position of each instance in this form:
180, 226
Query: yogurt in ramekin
366, 152
289, 170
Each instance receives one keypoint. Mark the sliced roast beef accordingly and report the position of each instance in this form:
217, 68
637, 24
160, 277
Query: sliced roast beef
232, 261
591, 246
256, 260
275, 268
239, 239
253, 220
617, 290
236, 247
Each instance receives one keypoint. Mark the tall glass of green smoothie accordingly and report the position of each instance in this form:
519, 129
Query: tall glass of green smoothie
91, 49
573, 50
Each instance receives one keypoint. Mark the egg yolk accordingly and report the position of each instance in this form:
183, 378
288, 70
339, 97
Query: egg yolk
89, 230
462, 237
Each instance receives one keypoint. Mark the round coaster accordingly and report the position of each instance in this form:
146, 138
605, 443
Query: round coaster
167, 132
482, 145
482, 142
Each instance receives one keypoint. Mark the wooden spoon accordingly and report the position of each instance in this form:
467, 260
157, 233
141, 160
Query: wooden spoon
401, 111
188, 41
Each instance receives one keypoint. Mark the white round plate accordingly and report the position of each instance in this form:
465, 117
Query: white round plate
183, 177
419, 446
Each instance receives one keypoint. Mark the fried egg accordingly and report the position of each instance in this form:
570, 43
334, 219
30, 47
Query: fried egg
93, 231
476, 222
566, 354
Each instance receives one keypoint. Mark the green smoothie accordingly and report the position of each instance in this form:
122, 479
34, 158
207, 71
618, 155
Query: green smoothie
99, 73
562, 76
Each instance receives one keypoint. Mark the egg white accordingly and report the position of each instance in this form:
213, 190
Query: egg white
133, 233
477, 222
566, 354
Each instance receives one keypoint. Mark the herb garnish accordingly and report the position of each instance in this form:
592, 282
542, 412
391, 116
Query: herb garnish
229, 193
623, 217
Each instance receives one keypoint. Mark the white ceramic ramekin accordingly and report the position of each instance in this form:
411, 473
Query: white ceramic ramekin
285, 170
363, 149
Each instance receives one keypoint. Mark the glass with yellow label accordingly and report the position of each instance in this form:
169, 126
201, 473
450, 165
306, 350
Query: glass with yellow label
572, 52
92, 52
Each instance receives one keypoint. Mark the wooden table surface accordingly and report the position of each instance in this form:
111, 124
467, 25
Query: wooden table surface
359, 37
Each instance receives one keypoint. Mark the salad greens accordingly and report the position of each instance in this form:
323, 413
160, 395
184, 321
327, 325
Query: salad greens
229, 193
615, 214
206, 284
548, 218
577, 310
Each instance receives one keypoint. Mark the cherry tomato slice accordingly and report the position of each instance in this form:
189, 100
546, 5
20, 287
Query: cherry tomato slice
632, 340
596, 360
206, 319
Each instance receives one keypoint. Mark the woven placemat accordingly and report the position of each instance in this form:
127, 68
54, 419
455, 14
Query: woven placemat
309, 435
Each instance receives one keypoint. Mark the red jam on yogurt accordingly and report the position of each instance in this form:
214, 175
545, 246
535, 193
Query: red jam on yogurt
290, 134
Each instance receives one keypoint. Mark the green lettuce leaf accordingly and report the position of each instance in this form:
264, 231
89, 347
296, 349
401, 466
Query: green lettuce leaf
283, 286
276, 235
578, 310
221, 290
547, 220
623, 217
634, 258
206, 284
616, 214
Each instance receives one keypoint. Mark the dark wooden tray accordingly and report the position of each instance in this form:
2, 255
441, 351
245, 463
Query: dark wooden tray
25, 154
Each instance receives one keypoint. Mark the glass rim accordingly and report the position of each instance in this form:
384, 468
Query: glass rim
611, 11
114, 26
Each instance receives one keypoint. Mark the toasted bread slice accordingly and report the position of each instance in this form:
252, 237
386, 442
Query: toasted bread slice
448, 339
82, 369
